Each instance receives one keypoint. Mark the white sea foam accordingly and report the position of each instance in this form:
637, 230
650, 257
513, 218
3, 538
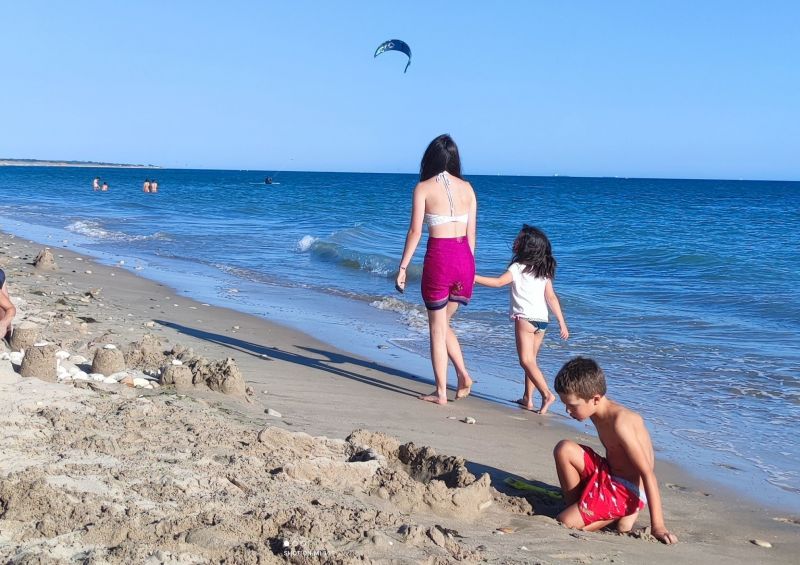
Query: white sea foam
95, 230
305, 243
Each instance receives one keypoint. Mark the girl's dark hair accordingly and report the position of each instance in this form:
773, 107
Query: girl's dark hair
533, 249
441, 155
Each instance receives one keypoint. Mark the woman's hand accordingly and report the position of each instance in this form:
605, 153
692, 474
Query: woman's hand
400, 282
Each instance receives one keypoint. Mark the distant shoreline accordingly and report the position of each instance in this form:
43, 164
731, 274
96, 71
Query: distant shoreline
92, 164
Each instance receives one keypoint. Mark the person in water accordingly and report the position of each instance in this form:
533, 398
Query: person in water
446, 203
154, 185
146, 185
268, 180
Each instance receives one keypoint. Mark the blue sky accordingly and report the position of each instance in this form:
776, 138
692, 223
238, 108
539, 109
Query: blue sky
653, 89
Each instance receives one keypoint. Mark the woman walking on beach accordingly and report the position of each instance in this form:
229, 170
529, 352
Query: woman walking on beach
446, 203
530, 275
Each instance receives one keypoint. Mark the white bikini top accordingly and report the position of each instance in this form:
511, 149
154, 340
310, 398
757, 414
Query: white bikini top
439, 219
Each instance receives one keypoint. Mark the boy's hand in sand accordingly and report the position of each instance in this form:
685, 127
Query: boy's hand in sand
664, 536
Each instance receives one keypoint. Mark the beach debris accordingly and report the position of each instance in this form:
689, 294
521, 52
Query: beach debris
25, 334
469, 420
40, 362
108, 360
94, 293
761, 543
506, 530
273, 413
45, 260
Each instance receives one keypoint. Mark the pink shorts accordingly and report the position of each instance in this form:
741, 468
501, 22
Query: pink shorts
448, 272
605, 497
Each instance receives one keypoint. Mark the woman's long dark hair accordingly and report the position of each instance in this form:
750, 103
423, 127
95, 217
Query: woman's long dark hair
533, 249
441, 155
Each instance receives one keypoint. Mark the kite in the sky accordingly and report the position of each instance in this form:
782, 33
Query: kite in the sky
395, 45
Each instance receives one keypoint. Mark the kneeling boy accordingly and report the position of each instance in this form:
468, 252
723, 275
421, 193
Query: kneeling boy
599, 490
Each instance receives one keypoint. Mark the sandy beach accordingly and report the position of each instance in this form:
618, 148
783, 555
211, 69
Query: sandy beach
221, 437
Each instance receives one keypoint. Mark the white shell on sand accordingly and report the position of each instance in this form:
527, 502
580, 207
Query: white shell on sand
275, 413
177, 362
140, 382
469, 420
761, 543
41, 343
16, 357
110, 346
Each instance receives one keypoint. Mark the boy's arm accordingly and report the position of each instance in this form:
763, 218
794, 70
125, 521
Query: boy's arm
495, 282
555, 308
626, 432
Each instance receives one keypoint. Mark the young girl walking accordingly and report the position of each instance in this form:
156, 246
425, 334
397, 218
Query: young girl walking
530, 275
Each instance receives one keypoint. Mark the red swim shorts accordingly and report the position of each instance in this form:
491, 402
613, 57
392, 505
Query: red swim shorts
605, 497
448, 272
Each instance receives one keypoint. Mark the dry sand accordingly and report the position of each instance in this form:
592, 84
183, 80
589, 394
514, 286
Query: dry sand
327, 457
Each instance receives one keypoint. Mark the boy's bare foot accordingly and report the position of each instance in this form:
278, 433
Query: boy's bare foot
464, 386
546, 404
435, 398
525, 403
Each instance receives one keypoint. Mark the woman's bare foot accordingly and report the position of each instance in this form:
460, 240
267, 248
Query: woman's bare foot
435, 398
546, 404
464, 386
525, 403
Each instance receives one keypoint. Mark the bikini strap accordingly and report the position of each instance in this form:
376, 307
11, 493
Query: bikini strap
446, 182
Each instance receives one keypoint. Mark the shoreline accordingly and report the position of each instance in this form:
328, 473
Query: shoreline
321, 390
334, 331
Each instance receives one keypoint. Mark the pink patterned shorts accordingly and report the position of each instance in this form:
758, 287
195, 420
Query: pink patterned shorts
448, 272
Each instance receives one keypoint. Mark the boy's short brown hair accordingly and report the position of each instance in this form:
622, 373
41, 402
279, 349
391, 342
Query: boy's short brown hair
582, 377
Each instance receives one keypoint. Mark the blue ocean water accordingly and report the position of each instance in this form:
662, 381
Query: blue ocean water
687, 292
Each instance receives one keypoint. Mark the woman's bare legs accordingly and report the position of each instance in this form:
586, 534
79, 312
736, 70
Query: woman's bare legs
454, 353
444, 346
438, 328
528, 343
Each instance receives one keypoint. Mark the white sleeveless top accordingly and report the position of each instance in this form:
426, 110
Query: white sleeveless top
439, 219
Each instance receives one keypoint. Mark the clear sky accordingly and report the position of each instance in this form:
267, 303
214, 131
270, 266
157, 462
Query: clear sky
689, 89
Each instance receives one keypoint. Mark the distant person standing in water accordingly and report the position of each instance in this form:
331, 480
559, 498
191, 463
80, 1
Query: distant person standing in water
105, 187
146, 186
446, 202
96, 183
154, 185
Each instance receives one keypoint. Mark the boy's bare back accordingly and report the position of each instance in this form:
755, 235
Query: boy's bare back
622, 432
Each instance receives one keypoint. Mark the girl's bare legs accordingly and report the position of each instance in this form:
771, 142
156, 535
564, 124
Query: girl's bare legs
444, 346
438, 327
528, 343
454, 353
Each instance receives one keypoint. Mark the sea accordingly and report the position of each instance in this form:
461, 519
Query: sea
687, 292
